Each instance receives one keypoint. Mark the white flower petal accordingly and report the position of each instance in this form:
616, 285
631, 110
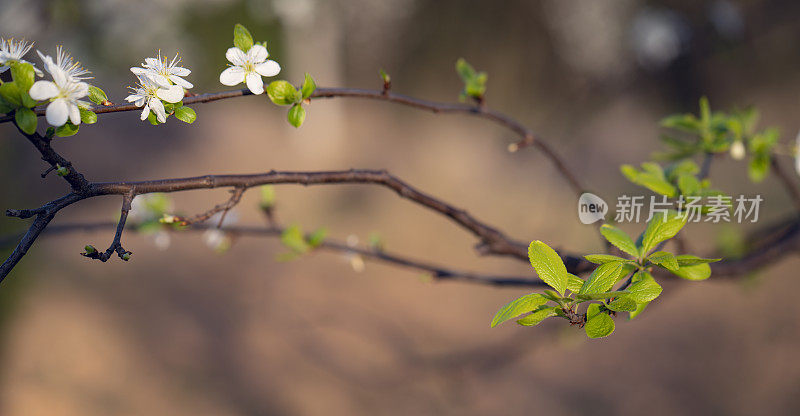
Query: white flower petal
57, 112
80, 91
160, 80
180, 81
133, 98
236, 56
138, 71
232, 76
43, 90
173, 94
268, 69
158, 107
257, 54
152, 62
255, 83
180, 71
145, 112
74, 114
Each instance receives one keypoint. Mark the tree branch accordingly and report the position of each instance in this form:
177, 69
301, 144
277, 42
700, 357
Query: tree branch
491, 240
527, 136
437, 272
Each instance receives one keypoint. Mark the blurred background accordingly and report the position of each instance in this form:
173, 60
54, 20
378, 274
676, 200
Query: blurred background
182, 330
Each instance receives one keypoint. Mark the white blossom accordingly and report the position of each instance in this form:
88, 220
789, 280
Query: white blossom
148, 94
64, 62
11, 50
249, 67
64, 93
164, 72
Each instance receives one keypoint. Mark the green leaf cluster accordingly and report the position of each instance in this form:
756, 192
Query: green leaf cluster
679, 178
712, 132
639, 289
299, 243
14, 96
474, 81
569, 291
181, 112
283, 93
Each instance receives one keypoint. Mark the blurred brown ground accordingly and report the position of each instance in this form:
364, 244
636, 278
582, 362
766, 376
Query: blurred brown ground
186, 331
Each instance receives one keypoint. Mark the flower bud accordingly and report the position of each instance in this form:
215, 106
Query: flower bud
737, 150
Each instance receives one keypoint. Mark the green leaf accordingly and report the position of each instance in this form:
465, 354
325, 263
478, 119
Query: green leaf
660, 228
592, 311
644, 288
185, 114
548, 266
689, 185
684, 122
282, 92
604, 258
664, 259
619, 239
293, 239
705, 111
759, 167
384, 76
477, 86
10, 92
600, 326
574, 283
267, 197
550, 295
651, 177
622, 304
695, 272
308, 86
5, 107
96, 95
242, 38
66, 130
538, 316
87, 116
599, 296
153, 119
639, 308
317, 237
465, 70
517, 307
602, 278
23, 75
678, 169
26, 120
689, 260
296, 116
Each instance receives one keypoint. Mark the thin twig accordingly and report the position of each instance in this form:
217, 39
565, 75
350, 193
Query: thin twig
116, 244
236, 196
